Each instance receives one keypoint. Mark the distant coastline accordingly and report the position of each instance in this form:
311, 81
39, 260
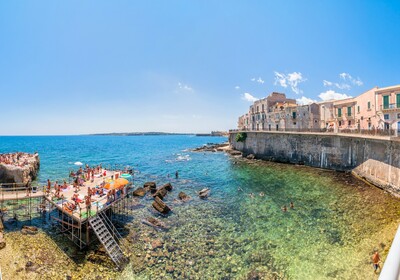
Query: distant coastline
156, 134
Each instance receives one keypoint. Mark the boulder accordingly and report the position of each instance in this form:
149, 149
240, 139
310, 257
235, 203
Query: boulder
251, 156
161, 193
29, 230
204, 193
140, 192
160, 206
184, 197
151, 186
168, 187
156, 244
156, 223
20, 174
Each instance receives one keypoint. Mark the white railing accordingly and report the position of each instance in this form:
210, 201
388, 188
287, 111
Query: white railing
391, 267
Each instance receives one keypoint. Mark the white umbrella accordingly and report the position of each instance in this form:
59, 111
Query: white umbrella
78, 163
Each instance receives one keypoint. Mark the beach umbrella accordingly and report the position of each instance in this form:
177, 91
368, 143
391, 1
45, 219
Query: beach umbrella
120, 182
78, 163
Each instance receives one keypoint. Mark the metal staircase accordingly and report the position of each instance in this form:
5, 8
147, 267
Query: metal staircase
109, 237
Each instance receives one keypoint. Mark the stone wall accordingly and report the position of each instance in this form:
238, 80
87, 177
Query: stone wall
374, 159
20, 175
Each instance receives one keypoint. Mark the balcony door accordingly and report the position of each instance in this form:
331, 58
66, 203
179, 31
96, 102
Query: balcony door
386, 102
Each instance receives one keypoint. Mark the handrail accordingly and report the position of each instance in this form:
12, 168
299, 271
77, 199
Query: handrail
391, 267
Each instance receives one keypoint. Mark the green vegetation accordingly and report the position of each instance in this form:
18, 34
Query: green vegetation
241, 137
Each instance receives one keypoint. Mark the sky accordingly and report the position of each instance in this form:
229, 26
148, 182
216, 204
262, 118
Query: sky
77, 67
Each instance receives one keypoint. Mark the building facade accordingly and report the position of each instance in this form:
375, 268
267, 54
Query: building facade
375, 109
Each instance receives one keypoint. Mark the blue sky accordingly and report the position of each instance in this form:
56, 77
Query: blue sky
73, 67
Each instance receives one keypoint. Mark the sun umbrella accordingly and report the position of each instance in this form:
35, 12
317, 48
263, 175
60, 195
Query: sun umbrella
120, 182
78, 163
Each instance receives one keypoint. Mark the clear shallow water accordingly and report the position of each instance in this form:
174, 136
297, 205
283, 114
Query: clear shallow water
330, 234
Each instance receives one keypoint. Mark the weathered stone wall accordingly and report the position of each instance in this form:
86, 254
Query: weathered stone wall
377, 160
20, 175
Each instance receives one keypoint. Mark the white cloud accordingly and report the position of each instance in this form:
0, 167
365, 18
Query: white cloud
347, 77
253, 79
292, 79
343, 86
248, 97
331, 94
347, 84
260, 81
305, 100
184, 87
237, 87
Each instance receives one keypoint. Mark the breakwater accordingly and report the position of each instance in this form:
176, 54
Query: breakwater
375, 159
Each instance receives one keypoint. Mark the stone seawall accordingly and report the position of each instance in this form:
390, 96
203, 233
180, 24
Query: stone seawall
20, 175
374, 159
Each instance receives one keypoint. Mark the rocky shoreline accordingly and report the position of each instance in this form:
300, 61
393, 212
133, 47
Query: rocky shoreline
20, 173
212, 147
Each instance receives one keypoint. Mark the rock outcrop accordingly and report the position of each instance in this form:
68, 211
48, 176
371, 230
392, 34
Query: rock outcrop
24, 174
160, 206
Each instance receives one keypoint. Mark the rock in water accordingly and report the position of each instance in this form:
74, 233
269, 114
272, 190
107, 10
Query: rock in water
161, 193
20, 174
139, 192
184, 197
156, 244
151, 186
204, 193
153, 222
160, 206
168, 187
251, 156
29, 230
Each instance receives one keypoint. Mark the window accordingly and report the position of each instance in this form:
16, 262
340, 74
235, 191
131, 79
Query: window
262, 107
398, 115
339, 112
358, 109
369, 105
340, 123
349, 123
386, 102
294, 115
386, 116
398, 100
294, 123
316, 121
349, 111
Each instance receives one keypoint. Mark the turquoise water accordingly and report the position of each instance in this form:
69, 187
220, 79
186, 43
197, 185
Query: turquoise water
335, 225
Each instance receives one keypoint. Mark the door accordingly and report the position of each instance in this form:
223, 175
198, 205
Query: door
398, 126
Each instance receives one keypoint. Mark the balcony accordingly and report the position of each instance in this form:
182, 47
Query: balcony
390, 107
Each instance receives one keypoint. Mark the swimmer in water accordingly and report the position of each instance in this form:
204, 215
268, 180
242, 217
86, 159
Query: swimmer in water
284, 209
262, 194
251, 195
240, 189
291, 205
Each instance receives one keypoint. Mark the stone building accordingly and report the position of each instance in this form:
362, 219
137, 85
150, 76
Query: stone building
388, 107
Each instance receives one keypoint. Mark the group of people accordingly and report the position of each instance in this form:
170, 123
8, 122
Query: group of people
17, 159
57, 188
88, 173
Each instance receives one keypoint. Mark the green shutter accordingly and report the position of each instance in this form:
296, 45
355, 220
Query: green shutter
386, 102
398, 100
339, 112
349, 111
369, 105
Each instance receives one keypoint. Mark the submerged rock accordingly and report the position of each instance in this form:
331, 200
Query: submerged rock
153, 222
150, 186
156, 244
29, 230
161, 193
204, 193
183, 196
140, 192
160, 206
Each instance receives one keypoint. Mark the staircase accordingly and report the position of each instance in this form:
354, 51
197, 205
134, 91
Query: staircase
108, 236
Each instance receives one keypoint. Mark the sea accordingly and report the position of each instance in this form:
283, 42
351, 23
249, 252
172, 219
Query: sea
239, 232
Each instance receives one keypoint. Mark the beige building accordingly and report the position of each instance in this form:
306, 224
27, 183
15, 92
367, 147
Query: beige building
388, 107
